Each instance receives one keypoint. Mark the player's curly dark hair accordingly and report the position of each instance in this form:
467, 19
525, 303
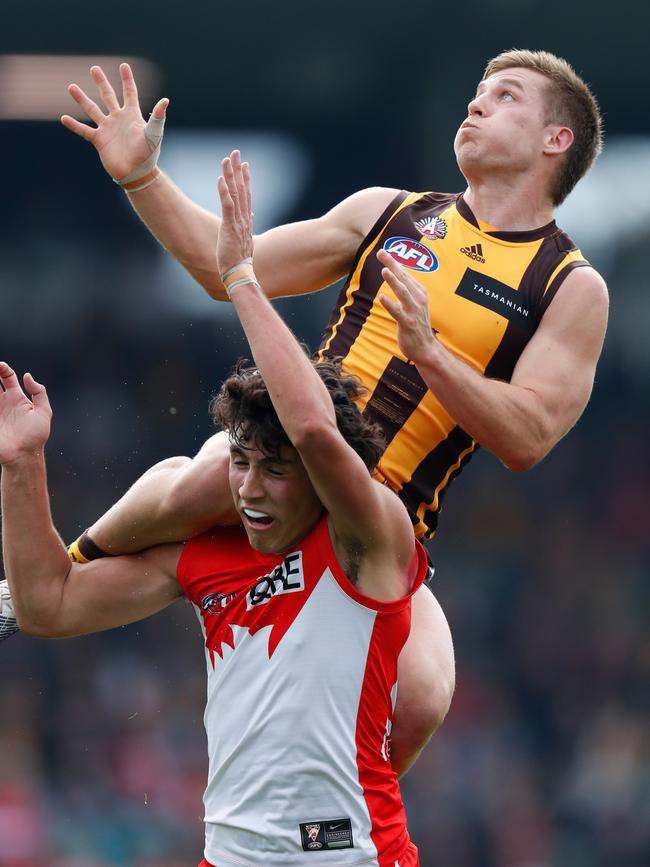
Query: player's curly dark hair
244, 409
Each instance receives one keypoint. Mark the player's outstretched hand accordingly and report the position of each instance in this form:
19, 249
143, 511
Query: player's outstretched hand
409, 308
236, 233
24, 423
123, 139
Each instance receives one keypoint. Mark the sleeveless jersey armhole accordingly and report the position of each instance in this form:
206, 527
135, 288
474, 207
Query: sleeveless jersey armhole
417, 573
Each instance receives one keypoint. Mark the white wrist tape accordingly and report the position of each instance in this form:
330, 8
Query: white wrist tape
239, 275
153, 133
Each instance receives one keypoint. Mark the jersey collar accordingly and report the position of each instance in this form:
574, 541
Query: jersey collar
517, 237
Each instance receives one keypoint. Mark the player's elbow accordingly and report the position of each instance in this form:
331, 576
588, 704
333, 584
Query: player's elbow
39, 615
38, 626
52, 626
528, 451
207, 278
313, 432
523, 460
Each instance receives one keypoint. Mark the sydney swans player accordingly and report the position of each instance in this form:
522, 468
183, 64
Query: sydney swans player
305, 607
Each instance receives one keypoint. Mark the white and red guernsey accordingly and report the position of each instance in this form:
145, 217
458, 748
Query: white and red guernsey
302, 672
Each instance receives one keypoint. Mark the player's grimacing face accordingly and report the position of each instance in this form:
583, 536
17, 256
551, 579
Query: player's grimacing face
274, 497
506, 122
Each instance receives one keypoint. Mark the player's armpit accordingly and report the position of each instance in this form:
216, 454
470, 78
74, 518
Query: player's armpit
111, 592
364, 515
559, 364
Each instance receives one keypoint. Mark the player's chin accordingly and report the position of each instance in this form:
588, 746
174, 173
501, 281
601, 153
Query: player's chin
263, 540
264, 545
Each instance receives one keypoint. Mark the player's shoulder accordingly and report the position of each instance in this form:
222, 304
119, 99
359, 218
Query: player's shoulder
377, 195
585, 284
382, 202
386, 197
371, 199
581, 301
362, 209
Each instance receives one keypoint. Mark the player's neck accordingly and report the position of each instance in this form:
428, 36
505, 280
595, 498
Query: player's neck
509, 207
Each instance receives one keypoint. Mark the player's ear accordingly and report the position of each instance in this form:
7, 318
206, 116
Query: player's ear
558, 140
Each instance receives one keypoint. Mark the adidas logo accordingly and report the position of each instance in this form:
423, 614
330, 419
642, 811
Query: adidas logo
474, 252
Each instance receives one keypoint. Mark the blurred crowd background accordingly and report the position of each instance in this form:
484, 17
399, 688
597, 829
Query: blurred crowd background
544, 759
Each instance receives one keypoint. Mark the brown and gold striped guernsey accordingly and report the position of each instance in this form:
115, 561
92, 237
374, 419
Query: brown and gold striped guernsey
487, 293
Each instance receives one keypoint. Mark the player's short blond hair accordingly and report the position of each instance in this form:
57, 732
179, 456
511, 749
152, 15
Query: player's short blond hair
569, 102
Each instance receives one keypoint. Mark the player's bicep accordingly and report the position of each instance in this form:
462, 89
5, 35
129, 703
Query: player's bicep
558, 365
306, 256
114, 591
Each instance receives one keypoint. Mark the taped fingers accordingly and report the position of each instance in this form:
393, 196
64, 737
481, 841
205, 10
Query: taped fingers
153, 132
146, 172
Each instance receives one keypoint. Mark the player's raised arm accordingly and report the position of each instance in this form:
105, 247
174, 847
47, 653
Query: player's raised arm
49, 595
291, 260
362, 512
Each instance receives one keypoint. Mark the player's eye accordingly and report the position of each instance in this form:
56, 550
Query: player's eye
508, 96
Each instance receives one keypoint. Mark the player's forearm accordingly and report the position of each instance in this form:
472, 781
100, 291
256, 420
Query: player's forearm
300, 398
36, 561
506, 419
185, 229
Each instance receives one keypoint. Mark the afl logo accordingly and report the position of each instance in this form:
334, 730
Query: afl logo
411, 254
216, 602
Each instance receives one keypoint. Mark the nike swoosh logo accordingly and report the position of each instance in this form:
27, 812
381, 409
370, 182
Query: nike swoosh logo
334, 827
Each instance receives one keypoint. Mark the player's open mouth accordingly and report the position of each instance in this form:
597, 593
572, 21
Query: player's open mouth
256, 519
